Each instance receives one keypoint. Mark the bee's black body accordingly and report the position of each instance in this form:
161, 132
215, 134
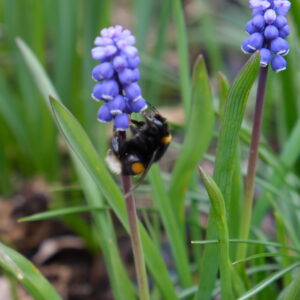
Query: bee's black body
150, 140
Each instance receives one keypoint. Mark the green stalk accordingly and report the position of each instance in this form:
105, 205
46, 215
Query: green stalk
248, 200
135, 240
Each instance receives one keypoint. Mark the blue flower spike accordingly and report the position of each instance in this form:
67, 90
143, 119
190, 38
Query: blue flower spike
268, 29
117, 76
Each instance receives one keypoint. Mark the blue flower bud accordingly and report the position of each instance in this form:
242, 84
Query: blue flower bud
280, 21
138, 105
278, 63
255, 41
265, 57
284, 31
282, 6
271, 32
259, 4
121, 122
117, 105
133, 62
250, 28
104, 114
98, 53
259, 22
120, 63
102, 41
136, 74
280, 46
270, 16
133, 91
130, 51
126, 76
106, 90
245, 47
257, 11
110, 50
103, 71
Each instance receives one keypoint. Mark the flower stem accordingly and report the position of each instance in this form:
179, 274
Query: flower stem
136, 244
250, 178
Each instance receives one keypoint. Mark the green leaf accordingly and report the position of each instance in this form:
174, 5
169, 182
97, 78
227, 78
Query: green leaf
223, 171
164, 205
199, 133
27, 274
257, 288
294, 289
61, 212
182, 42
84, 150
218, 205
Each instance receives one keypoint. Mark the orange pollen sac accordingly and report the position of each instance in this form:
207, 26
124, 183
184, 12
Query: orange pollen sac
166, 139
137, 168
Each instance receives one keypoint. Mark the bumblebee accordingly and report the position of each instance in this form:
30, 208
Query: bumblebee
149, 141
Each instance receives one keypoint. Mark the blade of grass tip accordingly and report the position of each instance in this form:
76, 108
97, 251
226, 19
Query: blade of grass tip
269, 280
223, 89
199, 132
218, 205
294, 289
55, 213
164, 205
84, 150
37, 72
27, 274
182, 46
223, 171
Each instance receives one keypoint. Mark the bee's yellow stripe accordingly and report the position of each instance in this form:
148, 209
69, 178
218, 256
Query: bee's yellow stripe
167, 139
137, 168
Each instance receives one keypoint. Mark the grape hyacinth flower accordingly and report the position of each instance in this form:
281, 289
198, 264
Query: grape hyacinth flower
117, 76
268, 29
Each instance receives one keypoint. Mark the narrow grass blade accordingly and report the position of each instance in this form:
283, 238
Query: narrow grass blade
261, 255
218, 205
223, 171
55, 213
177, 241
199, 133
257, 288
27, 274
182, 46
294, 289
84, 150
43, 83
254, 242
